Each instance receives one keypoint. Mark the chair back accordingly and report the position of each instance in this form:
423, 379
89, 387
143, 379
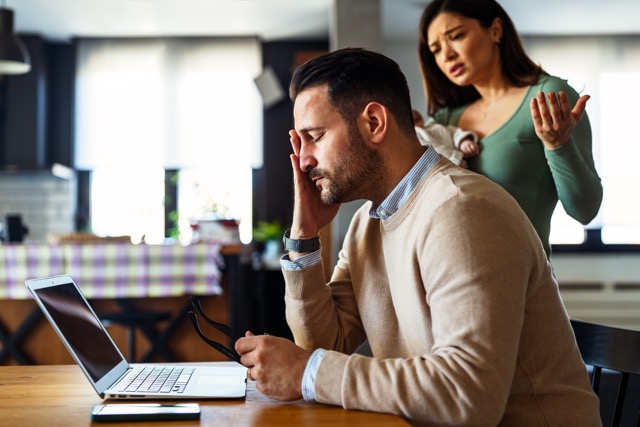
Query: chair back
614, 349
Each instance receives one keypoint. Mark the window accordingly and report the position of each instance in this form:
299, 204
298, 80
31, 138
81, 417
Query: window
144, 106
621, 207
608, 69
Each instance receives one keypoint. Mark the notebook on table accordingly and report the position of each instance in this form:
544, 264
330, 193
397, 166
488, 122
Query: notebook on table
111, 375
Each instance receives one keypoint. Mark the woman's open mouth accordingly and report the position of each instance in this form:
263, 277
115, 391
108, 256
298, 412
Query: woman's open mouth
456, 70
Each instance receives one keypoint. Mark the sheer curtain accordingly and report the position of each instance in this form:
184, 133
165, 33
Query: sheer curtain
146, 105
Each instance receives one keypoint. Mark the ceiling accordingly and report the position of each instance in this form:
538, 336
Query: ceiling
292, 19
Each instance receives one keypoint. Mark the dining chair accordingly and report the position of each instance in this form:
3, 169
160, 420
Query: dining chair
134, 319
614, 349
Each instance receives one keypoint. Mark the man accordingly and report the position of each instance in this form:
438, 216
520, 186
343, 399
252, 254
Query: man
441, 271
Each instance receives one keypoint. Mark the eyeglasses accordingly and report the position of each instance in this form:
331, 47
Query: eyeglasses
235, 336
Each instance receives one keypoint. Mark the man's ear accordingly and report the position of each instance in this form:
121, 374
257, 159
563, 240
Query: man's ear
374, 122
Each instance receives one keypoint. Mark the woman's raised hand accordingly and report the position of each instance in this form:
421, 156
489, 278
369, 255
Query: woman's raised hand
554, 121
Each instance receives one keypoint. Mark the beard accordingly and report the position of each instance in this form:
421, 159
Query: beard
356, 174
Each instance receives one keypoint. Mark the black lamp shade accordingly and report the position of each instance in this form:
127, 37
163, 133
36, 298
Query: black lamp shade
14, 57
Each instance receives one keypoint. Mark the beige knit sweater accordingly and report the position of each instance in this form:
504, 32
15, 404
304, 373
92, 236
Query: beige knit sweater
457, 299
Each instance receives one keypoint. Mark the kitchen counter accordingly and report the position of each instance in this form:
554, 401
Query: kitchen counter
155, 278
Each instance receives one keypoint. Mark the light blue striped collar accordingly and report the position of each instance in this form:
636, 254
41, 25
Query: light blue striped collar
399, 195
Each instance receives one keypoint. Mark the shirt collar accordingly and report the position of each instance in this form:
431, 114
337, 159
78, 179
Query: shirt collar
399, 195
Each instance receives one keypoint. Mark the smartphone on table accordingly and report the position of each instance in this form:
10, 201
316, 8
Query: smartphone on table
145, 412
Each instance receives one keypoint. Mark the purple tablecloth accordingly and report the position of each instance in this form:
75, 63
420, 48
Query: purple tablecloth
114, 270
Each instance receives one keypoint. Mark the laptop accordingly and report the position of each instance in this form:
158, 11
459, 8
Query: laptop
106, 368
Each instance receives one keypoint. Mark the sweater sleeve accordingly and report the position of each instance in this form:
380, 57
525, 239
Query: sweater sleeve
572, 166
320, 314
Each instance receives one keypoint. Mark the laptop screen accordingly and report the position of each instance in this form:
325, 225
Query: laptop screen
80, 327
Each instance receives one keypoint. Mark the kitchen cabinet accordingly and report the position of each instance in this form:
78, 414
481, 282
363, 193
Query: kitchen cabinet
36, 109
24, 112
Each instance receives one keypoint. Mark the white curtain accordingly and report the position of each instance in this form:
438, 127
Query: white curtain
175, 103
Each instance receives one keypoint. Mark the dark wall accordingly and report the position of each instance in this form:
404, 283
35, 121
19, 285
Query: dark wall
273, 183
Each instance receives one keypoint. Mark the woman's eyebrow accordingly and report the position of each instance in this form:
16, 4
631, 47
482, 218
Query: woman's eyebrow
447, 32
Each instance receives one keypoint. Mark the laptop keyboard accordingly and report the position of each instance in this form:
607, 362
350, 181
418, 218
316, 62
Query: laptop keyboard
158, 380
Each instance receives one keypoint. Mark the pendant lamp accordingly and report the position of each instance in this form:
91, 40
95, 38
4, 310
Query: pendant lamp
14, 57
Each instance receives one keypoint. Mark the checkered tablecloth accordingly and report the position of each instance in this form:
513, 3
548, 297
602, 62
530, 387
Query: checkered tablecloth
114, 270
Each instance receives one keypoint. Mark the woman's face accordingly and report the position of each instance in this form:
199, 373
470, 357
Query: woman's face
466, 52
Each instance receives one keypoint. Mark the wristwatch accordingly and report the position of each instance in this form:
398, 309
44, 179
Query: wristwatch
293, 245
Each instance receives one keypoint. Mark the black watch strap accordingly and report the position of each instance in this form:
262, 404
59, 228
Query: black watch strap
293, 245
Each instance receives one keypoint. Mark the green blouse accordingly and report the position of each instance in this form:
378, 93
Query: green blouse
514, 157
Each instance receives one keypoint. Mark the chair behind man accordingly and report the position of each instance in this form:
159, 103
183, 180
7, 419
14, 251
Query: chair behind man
614, 349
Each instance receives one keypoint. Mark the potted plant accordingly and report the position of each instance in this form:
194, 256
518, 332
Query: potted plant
270, 234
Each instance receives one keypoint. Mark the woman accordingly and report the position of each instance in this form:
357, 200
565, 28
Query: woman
478, 77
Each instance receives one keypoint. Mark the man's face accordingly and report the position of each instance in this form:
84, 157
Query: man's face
332, 153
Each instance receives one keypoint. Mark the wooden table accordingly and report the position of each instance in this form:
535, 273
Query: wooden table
60, 395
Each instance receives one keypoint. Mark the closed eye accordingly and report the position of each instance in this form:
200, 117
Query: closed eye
311, 135
319, 136
315, 136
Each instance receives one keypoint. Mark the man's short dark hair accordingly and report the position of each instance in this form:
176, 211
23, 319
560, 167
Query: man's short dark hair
355, 77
